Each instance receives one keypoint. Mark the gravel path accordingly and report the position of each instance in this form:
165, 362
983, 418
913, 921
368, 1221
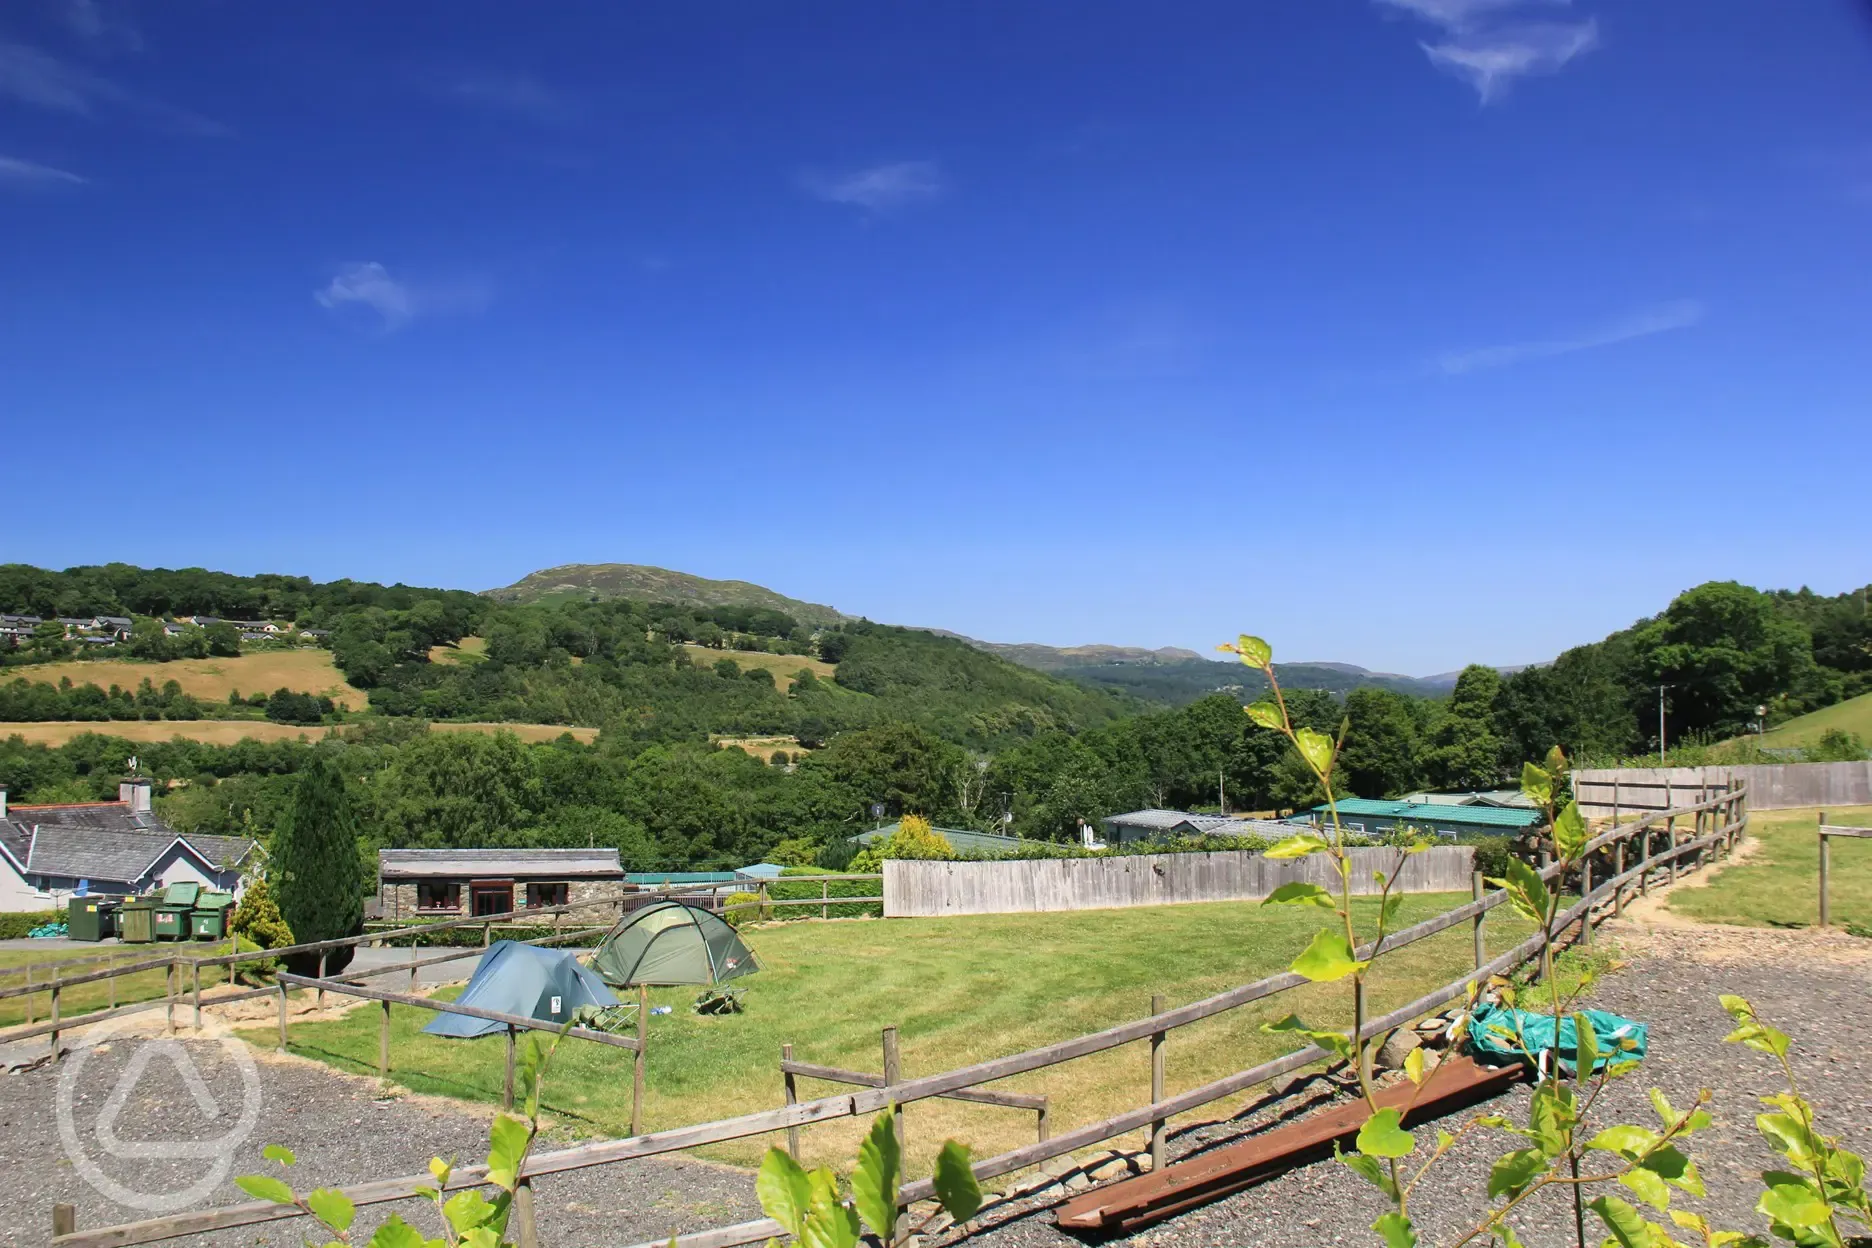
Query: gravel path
341, 1132
1816, 987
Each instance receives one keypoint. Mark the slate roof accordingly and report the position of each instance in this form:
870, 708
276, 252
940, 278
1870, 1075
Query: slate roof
1166, 820
413, 864
104, 840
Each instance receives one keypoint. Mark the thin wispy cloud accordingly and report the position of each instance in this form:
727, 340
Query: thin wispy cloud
35, 77
104, 25
512, 95
1492, 43
879, 188
24, 173
1658, 319
365, 288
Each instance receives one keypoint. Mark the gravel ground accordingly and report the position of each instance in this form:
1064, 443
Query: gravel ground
341, 1132
1813, 986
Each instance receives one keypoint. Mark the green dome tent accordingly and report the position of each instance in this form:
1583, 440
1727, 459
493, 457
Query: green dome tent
670, 943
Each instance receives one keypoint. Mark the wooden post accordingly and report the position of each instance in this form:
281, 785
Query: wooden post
412, 971
1158, 1125
763, 912
1358, 1030
1585, 890
487, 931
1475, 894
383, 1042
507, 1083
637, 1065
321, 975
825, 891
892, 1073
64, 1220
28, 998
1615, 801
792, 1098
1044, 1127
1825, 864
112, 981
282, 1018
1618, 873
170, 986
1670, 830
55, 1019
526, 1230
195, 973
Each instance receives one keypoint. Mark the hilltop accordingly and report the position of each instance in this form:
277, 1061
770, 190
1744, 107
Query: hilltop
585, 582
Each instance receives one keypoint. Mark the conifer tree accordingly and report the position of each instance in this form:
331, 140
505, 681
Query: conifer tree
314, 865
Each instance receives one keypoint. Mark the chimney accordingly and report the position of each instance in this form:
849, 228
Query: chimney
135, 793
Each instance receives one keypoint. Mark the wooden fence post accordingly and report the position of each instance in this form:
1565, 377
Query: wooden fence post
321, 975
195, 973
1475, 894
1585, 890
282, 1018
170, 985
112, 981
64, 1219
383, 1042
1358, 1031
28, 998
1670, 830
637, 1066
55, 1019
507, 1082
792, 1098
526, 1230
892, 1073
1041, 1124
1157, 1126
1825, 864
1618, 875
487, 933
825, 891
1615, 801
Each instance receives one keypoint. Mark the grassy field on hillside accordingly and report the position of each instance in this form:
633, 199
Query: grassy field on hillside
961, 990
302, 671
228, 731
467, 650
760, 747
1852, 715
783, 666
1779, 884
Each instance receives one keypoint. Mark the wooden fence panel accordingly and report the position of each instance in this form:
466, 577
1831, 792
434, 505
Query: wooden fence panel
1771, 786
931, 889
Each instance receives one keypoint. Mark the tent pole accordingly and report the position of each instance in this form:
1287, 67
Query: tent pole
637, 1071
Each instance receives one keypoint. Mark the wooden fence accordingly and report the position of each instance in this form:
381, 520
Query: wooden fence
1828, 832
1771, 786
931, 889
1718, 822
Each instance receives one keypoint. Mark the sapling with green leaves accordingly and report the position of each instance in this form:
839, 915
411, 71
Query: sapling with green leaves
814, 1212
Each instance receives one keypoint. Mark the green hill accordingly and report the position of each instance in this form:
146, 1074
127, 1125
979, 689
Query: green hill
1853, 715
585, 582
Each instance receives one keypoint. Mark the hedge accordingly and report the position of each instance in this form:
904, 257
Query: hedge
464, 937
19, 926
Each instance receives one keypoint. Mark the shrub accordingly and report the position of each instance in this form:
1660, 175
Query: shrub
799, 884
1836, 745
257, 918
745, 908
19, 926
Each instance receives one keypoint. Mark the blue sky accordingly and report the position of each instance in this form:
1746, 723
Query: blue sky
1406, 332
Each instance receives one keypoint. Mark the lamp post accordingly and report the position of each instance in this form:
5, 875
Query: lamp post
1761, 727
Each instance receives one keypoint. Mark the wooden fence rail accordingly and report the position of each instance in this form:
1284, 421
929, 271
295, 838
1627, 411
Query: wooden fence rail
1724, 817
1827, 833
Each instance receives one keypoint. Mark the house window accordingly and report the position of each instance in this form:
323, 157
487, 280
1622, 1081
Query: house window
438, 895
491, 897
545, 895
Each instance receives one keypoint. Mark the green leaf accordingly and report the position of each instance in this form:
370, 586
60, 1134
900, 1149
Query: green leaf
1328, 959
1414, 1066
1300, 894
1381, 1136
1316, 748
332, 1207
1267, 715
1752, 1032
1647, 1187
530, 1062
1514, 1171
1527, 892
265, 1187
1793, 1202
1585, 1047
783, 1191
1629, 1230
1388, 911
830, 1223
507, 1143
396, 1233
955, 1182
1332, 1041
1253, 651
1296, 846
1536, 784
441, 1170
1669, 1164
279, 1153
468, 1209
1370, 1169
875, 1181
1628, 1140
1396, 1230
1569, 830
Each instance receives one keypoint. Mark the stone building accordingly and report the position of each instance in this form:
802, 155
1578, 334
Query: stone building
439, 883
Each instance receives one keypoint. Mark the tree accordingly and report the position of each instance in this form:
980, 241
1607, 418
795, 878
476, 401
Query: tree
48, 640
1465, 752
315, 868
1723, 649
1380, 756
223, 641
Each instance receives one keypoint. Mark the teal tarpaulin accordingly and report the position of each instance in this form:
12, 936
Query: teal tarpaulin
1501, 1033
547, 984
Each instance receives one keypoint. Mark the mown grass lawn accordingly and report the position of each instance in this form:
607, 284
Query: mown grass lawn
1852, 715
960, 990
1779, 884
83, 998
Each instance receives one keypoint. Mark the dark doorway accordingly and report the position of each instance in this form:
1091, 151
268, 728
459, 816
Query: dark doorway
491, 897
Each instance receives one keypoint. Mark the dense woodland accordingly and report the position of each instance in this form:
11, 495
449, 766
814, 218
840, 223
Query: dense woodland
912, 720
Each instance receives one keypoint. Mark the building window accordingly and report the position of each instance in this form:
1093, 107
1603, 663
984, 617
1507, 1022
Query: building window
545, 895
438, 895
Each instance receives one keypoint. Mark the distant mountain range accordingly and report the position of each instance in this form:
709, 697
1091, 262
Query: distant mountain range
1169, 675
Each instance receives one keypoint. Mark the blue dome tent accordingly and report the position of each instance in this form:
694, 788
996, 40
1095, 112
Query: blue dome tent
547, 984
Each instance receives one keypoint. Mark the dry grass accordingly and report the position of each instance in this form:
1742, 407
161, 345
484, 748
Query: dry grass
760, 747
783, 666
211, 680
467, 650
526, 732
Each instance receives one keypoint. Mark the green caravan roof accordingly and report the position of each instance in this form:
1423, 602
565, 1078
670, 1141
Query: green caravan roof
652, 879
670, 943
1504, 817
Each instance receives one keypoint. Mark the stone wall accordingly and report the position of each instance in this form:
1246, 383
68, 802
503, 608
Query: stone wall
398, 901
